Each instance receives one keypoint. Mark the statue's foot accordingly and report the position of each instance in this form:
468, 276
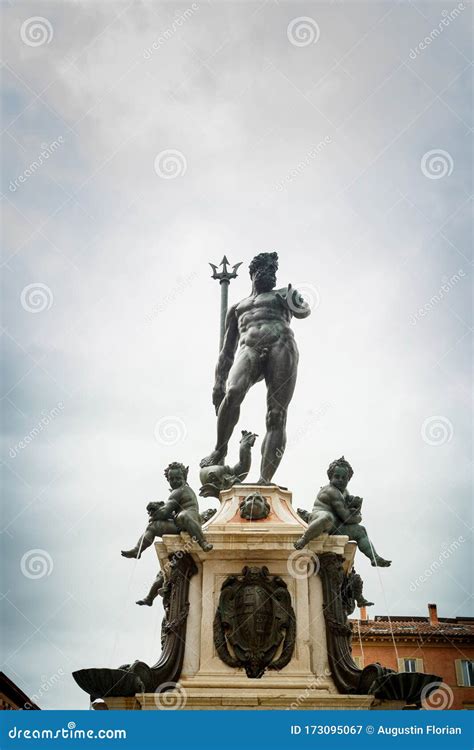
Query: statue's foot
266, 483
145, 601
379, 562
364, 603
300, 543
214, 459
206, 546
131, 553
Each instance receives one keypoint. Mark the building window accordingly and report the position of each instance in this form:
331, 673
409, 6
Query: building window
465, 672
410, 665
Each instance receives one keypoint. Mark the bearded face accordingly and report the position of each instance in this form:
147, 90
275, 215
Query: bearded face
264, 278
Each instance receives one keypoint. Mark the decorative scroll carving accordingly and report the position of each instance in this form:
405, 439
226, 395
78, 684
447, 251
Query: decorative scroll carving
384, 683
344, 670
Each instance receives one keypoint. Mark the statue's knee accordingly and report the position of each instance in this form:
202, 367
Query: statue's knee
181, 519
234, 396
326, 520
321, 520
276, 419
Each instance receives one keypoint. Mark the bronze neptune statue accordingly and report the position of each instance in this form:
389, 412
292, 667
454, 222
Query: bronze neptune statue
258, 329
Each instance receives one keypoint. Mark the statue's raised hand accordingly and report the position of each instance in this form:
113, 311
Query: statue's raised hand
285, 295
295, 302
248, 438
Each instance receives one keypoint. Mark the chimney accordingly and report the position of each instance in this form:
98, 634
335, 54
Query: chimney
363, 614
433, 614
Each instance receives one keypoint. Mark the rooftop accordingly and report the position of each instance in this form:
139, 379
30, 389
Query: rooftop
432, 627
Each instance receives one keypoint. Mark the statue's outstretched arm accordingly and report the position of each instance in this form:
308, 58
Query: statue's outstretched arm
242, 468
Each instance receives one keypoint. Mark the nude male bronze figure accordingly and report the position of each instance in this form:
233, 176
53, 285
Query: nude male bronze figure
258, 329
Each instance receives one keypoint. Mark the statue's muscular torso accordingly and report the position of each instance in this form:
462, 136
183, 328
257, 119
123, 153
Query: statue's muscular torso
264, 319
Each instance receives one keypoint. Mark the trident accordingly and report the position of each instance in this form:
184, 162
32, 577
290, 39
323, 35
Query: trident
224, 278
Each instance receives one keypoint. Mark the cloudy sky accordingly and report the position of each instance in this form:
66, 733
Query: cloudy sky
335, 133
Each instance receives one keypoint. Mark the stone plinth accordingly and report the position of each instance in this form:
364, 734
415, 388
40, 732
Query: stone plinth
306, 681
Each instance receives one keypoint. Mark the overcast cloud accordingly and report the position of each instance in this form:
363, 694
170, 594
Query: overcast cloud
344, 145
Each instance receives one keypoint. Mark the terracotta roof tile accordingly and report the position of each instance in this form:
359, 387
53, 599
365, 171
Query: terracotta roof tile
414, 627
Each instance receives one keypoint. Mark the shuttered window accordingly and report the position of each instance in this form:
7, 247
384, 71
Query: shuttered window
464, 672
409, 664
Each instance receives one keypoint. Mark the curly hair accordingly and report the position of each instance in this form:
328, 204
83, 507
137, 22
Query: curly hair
176, 465
340, 462
264, 259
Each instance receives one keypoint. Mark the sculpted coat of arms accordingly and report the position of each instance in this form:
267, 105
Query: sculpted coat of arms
255, 625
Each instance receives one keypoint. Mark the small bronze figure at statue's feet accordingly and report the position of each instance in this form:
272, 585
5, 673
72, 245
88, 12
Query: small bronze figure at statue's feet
337, 512
179, 513
220, 477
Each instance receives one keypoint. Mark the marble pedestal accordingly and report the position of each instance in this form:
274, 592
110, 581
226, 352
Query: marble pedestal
206, 682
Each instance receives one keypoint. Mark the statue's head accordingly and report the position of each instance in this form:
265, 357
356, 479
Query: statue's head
339, 473
263, 270
176, 474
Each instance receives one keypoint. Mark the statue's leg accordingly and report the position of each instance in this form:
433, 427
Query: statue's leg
154, 529
245, 371
189, 521
321, 522
359, 534
280, 377
154, 590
